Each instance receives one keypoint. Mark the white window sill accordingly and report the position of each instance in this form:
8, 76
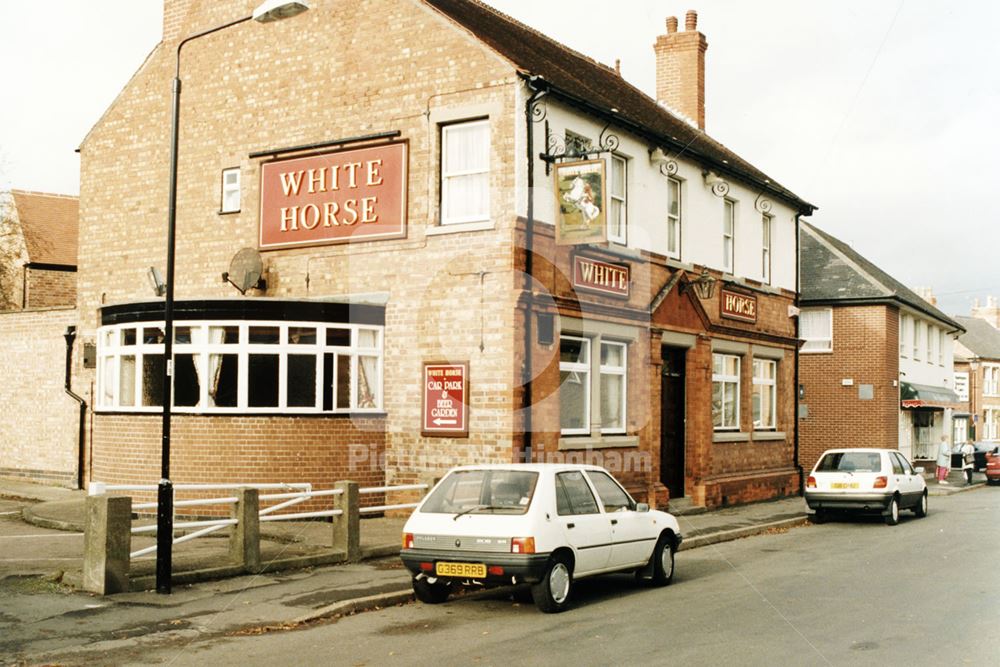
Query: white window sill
768, 435
458, 227
730, 436
597, 442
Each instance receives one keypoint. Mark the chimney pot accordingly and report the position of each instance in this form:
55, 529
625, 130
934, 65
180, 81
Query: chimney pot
618, 66
691, 20
671, 25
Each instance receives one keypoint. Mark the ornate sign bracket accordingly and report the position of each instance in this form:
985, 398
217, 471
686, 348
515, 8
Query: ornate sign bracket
555, 151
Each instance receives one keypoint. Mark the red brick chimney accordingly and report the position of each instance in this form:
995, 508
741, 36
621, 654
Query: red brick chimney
680, 68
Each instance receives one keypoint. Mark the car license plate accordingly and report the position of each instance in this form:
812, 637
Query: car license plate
844, 485
473, 570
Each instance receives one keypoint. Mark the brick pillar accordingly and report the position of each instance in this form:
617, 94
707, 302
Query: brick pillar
107, 542
680, 68
244, 541
347, 526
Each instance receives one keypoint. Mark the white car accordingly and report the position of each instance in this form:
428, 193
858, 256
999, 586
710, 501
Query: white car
541, 524
866, 480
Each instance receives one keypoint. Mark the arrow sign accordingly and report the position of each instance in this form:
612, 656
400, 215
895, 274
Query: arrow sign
445, 400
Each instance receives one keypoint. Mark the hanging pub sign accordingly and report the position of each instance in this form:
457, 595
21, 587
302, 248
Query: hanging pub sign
597, 276
738, 306
339, 197
581, 202
446, 399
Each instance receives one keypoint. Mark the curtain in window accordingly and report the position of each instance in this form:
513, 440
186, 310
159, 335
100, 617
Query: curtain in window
465, 172
367, 381
216, 336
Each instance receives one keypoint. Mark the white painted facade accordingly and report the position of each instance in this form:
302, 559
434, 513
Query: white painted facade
702, 211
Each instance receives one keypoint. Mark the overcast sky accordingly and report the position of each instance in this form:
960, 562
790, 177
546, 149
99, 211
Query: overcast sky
881, 112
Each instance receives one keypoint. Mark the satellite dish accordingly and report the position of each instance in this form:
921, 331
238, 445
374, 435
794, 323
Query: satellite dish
245, 270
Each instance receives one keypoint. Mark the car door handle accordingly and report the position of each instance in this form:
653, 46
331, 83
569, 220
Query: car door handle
614, 522
571, 525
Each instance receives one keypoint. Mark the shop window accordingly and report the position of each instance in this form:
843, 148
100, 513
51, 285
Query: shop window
230, 190
728, 236
765, 378
725, 392
765, 249
816, 328
224, 367
673, 218
465, 172
618, 201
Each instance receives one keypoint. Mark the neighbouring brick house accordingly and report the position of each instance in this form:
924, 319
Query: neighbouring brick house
41, 434
431, 294
876, 364
37, 250
977, 379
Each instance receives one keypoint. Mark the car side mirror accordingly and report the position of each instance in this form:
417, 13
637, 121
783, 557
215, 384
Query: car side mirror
641, 507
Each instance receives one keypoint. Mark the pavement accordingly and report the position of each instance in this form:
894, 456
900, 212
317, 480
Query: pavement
34, 518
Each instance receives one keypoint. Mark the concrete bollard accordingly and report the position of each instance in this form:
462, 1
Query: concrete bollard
244, 540
347, 526
106, 544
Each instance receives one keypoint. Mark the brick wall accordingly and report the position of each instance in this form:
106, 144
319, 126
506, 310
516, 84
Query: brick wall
49, 289
339, 70
39, 429
865, 350
680, 68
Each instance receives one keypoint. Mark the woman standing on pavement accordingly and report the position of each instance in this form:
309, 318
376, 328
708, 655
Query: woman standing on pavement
968, 458
943, 461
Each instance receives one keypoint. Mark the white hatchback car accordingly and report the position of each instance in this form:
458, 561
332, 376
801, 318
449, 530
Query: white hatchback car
542, 524
866, 480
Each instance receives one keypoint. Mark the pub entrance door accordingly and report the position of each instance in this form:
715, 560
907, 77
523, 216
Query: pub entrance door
672, 420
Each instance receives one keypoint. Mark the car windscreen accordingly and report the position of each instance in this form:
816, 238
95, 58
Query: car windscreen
850, 462
483, 492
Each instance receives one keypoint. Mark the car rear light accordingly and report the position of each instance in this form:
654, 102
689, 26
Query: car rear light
407, 540
811, 482
881, 482
495, 570
522, 545
426, 567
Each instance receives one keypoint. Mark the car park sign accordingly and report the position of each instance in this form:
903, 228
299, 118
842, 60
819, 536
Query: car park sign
446, 399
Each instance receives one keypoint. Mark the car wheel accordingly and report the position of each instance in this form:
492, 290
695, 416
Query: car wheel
892, 513
431, 593
551, 594
921, 509
663, 561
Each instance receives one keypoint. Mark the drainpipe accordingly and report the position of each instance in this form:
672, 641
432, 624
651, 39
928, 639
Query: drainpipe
536, 94
798, 289
70, 336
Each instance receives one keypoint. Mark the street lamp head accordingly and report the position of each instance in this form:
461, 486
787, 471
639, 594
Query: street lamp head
276, 10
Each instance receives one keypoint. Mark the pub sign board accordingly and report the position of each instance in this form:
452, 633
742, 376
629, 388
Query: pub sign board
737, 306
580, 199
341, 196
446, 399
596, 276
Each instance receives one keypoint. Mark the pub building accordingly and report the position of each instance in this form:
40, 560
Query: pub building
460, 242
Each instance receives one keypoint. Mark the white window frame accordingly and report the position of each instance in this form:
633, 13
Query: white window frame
110, 352
230, 189
616, 371
769, 385
448, 177
823, 344
991, 379
621, 234
904, 321
933, 344
674, 221
991, 424
916, 340
729, 236
727, 379
942, 341
765, 247
582, 369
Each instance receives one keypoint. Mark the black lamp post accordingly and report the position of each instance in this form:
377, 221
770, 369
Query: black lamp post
268, 11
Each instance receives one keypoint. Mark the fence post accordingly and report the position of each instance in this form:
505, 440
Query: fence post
244, 540
347, 526
107, 542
